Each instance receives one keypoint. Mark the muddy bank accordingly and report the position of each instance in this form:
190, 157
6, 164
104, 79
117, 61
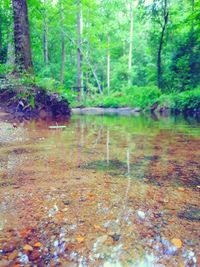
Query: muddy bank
29, 102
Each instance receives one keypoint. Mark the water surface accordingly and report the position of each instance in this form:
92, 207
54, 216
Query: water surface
104, 191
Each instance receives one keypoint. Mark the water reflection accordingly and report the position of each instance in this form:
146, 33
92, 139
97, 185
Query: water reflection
104, 191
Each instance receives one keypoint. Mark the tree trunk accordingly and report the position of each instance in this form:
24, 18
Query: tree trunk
0, 33
23, 59
79, 56
11, 51
62, 45
46, 57
45, 37
159, 56
108, 65
130, 45
88, 62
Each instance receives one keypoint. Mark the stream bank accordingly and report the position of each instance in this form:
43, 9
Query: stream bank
31, 101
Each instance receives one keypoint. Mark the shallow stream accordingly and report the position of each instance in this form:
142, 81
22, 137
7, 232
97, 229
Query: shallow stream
102, 191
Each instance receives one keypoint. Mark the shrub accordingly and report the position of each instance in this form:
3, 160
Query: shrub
143, 97
188, 100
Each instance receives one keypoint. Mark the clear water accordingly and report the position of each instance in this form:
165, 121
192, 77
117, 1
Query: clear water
103, 191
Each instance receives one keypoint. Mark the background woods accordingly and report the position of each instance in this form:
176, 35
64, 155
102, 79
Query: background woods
97, 50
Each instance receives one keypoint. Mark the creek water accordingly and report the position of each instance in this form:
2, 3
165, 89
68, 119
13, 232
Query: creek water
102, 191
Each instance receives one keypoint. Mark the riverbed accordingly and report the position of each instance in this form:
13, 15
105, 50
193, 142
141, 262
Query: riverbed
100, 191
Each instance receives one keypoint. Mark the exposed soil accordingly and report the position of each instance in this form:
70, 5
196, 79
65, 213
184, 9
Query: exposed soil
31, 101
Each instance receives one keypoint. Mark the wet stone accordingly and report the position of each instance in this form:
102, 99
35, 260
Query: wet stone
35, 254
8, 247
66, 202
116, 237
191, 214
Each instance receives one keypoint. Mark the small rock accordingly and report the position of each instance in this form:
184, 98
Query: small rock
116, 237
9, 247
23, 258
66, 202
141, 214
35, 254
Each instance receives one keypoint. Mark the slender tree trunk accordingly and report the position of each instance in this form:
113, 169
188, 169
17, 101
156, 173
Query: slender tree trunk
159, 56
0, 33
46, 56
62, 45
79, 56
11, 51
192, 44
131, 44
23, 59
45, 37
89, 64
108, 65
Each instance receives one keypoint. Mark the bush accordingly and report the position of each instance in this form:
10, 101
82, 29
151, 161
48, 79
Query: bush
143, 97
184, 101
188, 100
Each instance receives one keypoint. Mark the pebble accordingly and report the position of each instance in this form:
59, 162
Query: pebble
116, 237
8, 247
34, 255
141, 214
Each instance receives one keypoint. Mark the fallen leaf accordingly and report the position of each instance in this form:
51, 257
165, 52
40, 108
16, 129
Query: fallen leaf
27, 248
80, 239
24, 233
37, 245
177, 242
91, 195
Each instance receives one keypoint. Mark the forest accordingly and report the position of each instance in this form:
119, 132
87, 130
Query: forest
99, 133
105, 53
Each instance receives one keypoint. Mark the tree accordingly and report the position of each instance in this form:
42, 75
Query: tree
130, 44
62, 43
163, 20
23, 58
79, 55
45, 42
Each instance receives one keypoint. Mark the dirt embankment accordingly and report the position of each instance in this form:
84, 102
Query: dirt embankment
31, 101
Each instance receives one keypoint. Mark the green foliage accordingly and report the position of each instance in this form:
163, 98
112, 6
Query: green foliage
188, 100
183, 101
103, 18
143, 97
